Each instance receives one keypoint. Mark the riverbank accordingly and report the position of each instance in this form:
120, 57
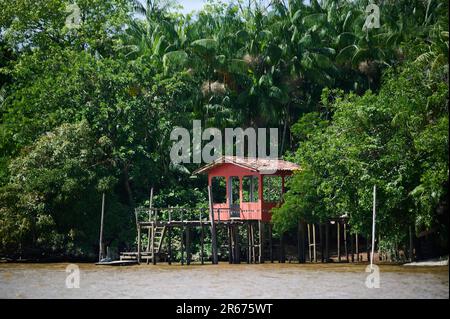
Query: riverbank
431, 262
223, 281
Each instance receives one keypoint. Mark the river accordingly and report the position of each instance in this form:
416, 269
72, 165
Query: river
222, 281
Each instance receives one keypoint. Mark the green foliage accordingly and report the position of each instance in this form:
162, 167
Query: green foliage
396, 139
48, 203
88, 110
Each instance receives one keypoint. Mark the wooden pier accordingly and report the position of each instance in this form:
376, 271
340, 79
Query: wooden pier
236, 240
163, 223
238, 228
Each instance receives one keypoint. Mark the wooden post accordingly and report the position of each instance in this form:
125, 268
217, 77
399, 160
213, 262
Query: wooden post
149, 219
368, 248
345, 241
261, 241
352, 249
139, 244
182, 244
301, 241
282, 248
252, 237
411, 245
169, 238
270, 243
237, 249
338, 240
213, 228
249, 248
380, 258
357, 247
327, 232
188, 245
322, 257
314, 242
100, 252
202, 243
309, 242
373, 224
230, 244
153, 243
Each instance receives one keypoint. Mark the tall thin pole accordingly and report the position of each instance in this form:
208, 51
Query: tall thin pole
314, 242
100, 253
373, 224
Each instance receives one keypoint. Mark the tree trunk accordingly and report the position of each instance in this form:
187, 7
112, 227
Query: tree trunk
283, 140
126, 182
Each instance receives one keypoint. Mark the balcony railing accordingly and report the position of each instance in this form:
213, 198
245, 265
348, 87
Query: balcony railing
181, 214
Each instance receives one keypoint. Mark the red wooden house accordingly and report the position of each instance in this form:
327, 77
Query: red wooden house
246, 188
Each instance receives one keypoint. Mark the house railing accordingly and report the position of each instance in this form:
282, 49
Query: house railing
182, 214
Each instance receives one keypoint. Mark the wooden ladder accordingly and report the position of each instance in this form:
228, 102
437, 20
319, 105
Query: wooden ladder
156, 239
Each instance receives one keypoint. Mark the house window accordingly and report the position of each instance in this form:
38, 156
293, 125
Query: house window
234, 186
219, 189
287, 182
272, 188
250, 189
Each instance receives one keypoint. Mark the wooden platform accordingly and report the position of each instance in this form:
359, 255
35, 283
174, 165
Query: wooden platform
133, 255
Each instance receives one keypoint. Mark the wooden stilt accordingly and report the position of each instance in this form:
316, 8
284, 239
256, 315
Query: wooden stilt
149, 240
314, 242
270, 243
309, 243
213, 228
283, 247
188, 245
249, 247
301, 241
149, 219
352, 249
202, 244
338, 240
261, 242
378, 248
252, 237
100, 249
368, 248
169, 235
139, 244
237, 249
357, 247
345, 241
153, 244
411, 245
322, 257
182, 244
327, 248
230, 244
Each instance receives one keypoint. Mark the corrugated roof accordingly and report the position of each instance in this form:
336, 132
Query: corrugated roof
261, 165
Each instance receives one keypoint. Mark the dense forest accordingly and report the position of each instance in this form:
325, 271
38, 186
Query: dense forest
87, 107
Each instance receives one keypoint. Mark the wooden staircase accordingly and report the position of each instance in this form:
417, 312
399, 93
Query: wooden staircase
157, 238
154, 245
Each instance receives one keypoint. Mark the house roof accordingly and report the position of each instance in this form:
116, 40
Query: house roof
255, 164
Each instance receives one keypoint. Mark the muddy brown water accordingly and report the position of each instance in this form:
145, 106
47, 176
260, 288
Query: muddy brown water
222, 281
